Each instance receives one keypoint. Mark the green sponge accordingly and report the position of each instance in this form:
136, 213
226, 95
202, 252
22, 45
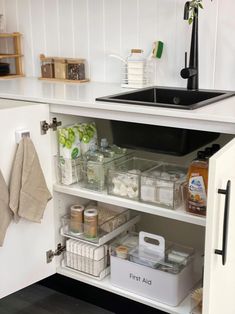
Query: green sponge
158, 49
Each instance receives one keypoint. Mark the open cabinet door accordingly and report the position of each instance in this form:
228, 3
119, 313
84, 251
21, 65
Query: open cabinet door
219, 281
23, 255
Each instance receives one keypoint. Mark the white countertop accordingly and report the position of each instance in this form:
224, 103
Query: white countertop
79, 99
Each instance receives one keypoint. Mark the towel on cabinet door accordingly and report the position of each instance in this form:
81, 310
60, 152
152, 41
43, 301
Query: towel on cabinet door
5, 212
28, 190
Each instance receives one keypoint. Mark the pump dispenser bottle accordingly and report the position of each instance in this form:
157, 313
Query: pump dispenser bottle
197, 185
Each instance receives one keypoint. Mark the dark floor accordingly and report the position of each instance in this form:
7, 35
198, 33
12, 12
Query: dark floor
37, 299
61, 295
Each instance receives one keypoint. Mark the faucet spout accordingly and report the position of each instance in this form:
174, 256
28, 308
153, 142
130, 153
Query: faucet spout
186, 10
191, 72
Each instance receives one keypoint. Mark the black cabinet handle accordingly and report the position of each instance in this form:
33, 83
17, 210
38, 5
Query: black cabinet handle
226, 192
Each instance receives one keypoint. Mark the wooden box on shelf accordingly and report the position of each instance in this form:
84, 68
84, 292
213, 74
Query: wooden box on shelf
63, 69
11, 55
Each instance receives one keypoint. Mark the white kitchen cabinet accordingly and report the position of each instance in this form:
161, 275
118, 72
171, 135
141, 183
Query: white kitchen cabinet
23, 256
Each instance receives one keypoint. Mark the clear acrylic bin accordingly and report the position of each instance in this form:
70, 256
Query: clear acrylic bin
176, 258
163, 185
95, 172
86, 265
153, 251
86, 258
122, 246
110, 219
106, 230
68, 171
124, 180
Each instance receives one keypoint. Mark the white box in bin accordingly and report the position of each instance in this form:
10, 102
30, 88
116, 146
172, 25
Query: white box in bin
152, 283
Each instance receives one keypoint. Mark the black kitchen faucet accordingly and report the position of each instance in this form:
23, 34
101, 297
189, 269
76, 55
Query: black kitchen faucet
191, 72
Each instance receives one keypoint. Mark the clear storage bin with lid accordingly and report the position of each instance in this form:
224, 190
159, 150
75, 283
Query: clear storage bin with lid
163, 185
124, 179
96, 164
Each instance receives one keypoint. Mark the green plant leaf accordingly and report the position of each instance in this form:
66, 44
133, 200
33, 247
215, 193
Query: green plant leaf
194, 5
190, 20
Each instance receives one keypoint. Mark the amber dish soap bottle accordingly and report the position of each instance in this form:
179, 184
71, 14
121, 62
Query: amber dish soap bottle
197, 185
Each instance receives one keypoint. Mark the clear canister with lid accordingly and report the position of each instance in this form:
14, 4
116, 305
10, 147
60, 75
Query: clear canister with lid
60, 68
76, 69
76, 219
91, 223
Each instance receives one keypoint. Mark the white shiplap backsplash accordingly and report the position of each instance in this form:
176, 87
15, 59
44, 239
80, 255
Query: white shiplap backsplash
93, 29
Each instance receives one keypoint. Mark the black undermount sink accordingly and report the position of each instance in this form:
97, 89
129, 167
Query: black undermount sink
177, 98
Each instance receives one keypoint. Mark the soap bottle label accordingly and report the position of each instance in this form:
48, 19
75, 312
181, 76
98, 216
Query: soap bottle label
197, 195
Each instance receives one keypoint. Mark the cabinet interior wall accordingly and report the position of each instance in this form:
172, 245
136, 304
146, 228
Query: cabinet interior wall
173, 230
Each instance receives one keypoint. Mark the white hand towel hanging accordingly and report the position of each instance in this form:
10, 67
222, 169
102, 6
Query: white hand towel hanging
5, 212
28, 190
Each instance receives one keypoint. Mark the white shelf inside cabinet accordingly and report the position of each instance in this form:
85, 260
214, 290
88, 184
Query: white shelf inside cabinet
178, 214
105, 284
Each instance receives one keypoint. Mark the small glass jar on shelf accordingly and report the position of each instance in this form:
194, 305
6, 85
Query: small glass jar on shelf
47, 67
76, 69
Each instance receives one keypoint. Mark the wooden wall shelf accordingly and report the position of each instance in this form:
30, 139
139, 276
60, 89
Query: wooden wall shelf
11, 76
16, 55
63, 80
10, 35
9, 55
